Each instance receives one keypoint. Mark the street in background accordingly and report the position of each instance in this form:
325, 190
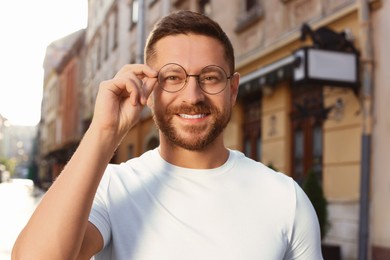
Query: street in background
18, 199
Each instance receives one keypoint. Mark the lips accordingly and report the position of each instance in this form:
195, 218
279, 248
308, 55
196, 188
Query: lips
197, 116
198, 111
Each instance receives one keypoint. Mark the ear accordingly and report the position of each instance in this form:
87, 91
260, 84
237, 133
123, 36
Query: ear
234, 84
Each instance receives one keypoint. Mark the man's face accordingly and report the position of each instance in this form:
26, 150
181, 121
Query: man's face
191, 118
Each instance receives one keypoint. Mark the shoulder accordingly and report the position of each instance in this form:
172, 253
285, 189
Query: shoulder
273, 189
262, 173
291, 204
130, 171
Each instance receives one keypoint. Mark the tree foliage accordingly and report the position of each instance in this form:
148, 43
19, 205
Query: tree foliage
314, 191
9, 164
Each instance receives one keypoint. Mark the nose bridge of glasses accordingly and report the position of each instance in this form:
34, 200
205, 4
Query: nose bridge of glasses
196, 76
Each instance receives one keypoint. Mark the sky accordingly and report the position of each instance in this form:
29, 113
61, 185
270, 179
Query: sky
27, 27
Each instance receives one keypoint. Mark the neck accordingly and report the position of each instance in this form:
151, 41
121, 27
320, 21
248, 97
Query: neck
213, 156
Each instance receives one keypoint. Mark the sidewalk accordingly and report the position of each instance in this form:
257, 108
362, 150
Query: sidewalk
18, 199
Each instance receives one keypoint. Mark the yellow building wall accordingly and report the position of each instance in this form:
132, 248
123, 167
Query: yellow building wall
342, 131
233, 132
138, 137
342, 145
276, 129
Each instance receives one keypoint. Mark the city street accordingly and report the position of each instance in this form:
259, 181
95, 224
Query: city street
18, 199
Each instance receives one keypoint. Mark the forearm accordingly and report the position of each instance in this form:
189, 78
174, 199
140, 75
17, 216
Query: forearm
57, 227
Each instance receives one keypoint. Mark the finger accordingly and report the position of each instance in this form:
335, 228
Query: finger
148, 85
124, 88
140, 70
119, 85
147, 78
115, 85
146, 72
138, 81
134, 90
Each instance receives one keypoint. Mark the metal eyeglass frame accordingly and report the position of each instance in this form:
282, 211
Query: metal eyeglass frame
197, 78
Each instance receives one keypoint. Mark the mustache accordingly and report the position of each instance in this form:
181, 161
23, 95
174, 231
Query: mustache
199, 108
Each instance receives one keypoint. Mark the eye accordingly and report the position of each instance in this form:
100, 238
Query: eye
210, 78
173, 78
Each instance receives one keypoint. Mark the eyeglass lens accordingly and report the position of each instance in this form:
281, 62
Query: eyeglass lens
173, 77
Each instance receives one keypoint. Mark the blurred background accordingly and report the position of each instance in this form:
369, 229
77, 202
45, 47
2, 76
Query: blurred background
312, 102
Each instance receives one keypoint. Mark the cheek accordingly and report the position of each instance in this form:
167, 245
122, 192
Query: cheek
158, 100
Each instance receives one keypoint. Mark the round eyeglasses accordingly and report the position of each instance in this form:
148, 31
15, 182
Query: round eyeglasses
212, 79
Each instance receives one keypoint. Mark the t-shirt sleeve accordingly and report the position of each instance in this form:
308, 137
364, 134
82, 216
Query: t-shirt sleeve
305, 236
99, 214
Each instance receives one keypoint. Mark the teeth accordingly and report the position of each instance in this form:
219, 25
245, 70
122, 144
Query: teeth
192, 116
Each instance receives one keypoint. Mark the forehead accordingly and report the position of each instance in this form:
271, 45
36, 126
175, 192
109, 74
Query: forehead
191, 51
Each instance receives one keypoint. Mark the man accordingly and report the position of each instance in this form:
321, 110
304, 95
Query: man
191, 198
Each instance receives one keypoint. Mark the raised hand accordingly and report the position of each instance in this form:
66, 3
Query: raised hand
120, 100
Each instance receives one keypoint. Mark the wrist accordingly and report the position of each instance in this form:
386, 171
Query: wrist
104, 140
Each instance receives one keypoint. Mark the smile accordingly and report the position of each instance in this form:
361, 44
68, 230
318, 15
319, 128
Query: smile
197, 116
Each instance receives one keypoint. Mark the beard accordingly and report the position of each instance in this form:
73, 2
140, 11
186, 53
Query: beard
200, 136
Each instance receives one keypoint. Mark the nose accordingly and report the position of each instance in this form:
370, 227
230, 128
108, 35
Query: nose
192, 93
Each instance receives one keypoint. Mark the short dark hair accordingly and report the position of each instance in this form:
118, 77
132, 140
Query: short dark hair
186, 22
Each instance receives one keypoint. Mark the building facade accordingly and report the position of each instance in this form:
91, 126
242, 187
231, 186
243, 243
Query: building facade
61, 127
294, 127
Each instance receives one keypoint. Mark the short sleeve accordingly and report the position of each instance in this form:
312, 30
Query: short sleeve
305, 243
99, 216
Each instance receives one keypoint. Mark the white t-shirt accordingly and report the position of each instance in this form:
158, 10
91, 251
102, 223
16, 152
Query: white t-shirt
148, 209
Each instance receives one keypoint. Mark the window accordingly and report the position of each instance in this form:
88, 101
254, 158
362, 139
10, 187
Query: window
116, 28
153, 143
317, 150
251, 13
299, 167
99, 53
205, 7
133, 8
130, 151
250, 4
107, 44
252, 127
152, 2
307, 134
132, 58
134, 12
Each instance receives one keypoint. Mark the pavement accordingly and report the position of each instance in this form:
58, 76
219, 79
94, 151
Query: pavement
18, 200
